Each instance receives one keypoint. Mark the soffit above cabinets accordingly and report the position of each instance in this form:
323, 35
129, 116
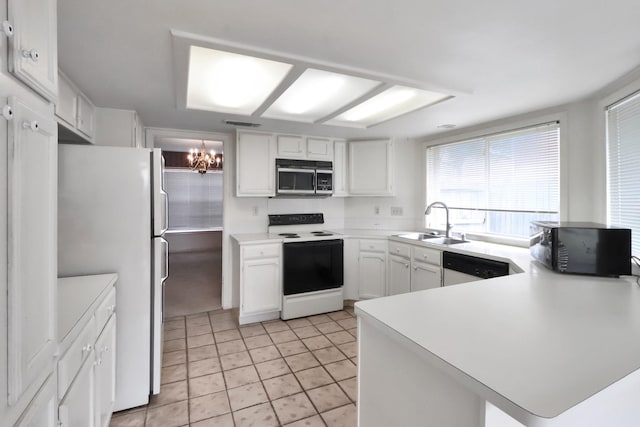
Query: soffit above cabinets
220, 76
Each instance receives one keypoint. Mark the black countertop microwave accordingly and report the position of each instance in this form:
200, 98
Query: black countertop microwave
581, 248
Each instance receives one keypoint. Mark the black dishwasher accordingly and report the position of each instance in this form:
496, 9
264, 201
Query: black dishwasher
456, 266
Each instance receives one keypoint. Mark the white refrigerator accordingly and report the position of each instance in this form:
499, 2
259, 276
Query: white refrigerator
112, 214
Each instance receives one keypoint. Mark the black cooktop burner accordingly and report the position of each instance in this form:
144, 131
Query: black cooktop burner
289, 235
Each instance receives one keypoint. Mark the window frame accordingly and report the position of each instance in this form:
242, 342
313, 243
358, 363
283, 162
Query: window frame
506, 126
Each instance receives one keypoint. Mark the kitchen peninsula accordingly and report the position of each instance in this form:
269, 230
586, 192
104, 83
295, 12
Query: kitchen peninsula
547, 349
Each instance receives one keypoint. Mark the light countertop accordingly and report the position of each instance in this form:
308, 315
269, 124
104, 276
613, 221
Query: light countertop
543, 341
76, 295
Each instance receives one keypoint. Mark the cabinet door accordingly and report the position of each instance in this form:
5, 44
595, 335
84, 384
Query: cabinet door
372, 274
33, 52
399, 275
86, 116
370, 168
291, 147
340, 169
32, 247
105, 374
255, 164
320, 149
77, 407
260, 282
43, 409
66, 108
425, 276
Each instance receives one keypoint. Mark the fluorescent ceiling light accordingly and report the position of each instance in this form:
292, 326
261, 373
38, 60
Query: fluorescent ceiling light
230, 82
391, 103
316, 94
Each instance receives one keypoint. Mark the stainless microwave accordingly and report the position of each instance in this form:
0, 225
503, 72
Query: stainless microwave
581, 248
305, 178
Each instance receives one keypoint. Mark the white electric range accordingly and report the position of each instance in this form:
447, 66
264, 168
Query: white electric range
312, 271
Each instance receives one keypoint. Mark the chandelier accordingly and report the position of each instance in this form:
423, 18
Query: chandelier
200, 160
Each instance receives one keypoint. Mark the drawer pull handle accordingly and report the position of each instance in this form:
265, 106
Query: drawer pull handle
406, 266
87, 348
7, 112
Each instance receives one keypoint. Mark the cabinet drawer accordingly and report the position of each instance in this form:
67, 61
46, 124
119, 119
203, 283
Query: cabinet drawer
373, 245
106, 309
427, 255
261, 251
399, 249
71, 361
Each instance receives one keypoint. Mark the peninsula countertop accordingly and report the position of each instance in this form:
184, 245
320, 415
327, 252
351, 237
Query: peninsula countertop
543, 341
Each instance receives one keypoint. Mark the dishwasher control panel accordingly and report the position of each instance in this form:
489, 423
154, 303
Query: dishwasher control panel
478, 267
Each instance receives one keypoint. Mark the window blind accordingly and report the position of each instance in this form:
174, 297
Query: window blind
623, 166
195, 200
497, 183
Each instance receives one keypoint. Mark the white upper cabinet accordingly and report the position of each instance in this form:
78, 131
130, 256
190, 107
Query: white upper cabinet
371, 168
32, 40
291, 147
255, 164
32, 245
340, 177
308, 148
320, 149
118, 128
74, 110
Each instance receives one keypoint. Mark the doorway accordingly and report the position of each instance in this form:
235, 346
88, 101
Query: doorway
195, 211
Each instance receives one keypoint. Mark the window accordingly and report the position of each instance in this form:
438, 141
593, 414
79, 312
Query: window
195, 200
623, 167
496, 184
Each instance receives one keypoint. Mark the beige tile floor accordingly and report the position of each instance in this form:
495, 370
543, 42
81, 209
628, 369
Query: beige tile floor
300, 372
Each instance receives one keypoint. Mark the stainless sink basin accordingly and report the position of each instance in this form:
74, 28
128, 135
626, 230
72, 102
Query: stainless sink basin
421, 236
447, 241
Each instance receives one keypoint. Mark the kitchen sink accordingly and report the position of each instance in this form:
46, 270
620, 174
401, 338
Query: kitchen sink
447, 241
420, 236
433, 238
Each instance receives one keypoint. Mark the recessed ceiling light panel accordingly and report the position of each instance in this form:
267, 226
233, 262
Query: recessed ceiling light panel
316, 94
230, 82
393, 102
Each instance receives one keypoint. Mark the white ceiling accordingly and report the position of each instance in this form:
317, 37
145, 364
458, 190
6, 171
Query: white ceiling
500, 57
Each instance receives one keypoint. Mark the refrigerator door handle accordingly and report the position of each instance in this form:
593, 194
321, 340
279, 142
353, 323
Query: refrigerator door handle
165, 259
163, 208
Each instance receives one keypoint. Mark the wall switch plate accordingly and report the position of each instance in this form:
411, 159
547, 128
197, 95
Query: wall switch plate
396, 211
376, 210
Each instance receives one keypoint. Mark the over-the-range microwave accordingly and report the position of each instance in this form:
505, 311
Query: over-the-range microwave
581, 247
303, 178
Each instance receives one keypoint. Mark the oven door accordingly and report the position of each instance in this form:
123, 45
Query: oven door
312, 266
296, 181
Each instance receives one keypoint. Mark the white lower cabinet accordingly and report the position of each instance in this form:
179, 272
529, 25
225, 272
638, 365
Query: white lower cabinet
399, 275
425, 276
413, 268
77, 407
43, 409
372, 268
87, 366
260, 281
105, 374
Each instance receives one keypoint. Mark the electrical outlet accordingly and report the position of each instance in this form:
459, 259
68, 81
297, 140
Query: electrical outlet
396, 210
255, 211
376, 210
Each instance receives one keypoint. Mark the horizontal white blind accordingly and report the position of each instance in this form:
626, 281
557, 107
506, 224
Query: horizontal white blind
623, 167
195, 200
512, 178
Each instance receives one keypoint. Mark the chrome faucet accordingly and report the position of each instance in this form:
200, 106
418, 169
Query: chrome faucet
428, 211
